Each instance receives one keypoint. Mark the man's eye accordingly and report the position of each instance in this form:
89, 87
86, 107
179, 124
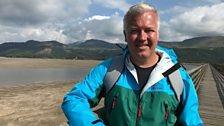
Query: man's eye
134, 31
149, 30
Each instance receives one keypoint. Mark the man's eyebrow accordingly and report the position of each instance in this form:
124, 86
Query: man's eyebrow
150, 27
133, 27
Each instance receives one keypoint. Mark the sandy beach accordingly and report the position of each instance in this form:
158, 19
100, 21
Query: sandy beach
45, 63
36, 104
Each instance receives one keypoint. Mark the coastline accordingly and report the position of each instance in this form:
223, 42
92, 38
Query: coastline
45, 63
36, 104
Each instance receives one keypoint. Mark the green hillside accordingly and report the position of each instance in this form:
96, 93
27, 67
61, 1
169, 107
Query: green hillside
54, 49
200, 49
212, 55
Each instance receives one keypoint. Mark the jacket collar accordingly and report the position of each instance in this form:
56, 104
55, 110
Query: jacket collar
156, 75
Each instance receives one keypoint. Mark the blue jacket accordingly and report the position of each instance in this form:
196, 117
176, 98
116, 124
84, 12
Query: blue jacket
127, 104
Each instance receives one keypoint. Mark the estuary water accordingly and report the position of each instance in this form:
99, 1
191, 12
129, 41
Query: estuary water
21, 76
16, 76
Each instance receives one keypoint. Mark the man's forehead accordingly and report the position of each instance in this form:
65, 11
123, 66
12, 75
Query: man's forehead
147, 15
136, 27
150, 14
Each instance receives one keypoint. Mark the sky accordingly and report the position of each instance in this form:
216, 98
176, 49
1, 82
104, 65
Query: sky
69, 21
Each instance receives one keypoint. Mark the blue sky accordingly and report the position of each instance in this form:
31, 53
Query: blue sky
69, 21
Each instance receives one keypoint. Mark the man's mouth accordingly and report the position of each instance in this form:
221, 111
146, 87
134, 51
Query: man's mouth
141, 45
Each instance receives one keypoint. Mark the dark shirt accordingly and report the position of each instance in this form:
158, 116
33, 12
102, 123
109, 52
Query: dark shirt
144, 73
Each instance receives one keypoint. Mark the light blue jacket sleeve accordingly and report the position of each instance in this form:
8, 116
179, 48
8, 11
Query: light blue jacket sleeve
189, 115
76, 104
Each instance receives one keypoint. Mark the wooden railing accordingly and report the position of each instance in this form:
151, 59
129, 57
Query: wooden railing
197, 74
219, 79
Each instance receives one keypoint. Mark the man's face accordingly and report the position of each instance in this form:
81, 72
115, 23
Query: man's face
142, 34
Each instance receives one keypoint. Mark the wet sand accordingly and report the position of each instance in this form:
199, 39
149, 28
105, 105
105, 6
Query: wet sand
45, 63
36, 104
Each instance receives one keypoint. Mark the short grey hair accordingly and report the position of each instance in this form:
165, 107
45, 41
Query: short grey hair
139, 9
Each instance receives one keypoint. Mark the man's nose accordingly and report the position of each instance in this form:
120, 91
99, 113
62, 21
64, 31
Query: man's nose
142, 35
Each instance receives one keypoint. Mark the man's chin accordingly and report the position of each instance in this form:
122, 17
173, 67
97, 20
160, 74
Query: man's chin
145, 47
143, 55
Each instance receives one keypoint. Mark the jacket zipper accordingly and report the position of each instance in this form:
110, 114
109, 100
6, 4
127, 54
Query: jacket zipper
167, 114
139, 112
113, 103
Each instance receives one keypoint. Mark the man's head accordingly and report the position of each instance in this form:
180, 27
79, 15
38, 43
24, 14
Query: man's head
141, 30
136, 10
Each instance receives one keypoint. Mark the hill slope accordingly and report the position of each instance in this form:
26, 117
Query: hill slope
201, 49
54, 49
198, 42
96, 44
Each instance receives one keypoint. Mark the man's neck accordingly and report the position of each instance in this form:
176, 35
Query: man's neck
145, 62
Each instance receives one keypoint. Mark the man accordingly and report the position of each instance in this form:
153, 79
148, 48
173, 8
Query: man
142, 96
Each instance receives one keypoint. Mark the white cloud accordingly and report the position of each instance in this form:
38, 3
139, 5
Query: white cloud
122, 5
109, 29
97, 17
200, 21
214, 1
23, 12
41, 20
8, 34
67, 21
168, 33
174, 10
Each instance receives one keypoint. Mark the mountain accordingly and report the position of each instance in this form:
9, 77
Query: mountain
204, 42
75, 43
169, 44
94, 43
200, 49
54, 49
31, 45
32, 48
191, 43
198, 42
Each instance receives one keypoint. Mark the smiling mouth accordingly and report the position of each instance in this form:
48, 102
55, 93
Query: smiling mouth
141, 45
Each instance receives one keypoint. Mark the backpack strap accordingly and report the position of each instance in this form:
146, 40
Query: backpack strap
114, 72
175, 79
117, 65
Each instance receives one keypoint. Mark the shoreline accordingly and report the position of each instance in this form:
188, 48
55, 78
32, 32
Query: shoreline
36, 104
45, 63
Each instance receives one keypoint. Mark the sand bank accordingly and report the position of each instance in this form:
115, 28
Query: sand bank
36, 104
33, 105
45, 63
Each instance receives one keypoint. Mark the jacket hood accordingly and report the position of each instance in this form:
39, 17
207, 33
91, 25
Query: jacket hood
168, 59
170, 52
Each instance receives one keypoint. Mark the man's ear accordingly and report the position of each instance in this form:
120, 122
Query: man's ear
125, 36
